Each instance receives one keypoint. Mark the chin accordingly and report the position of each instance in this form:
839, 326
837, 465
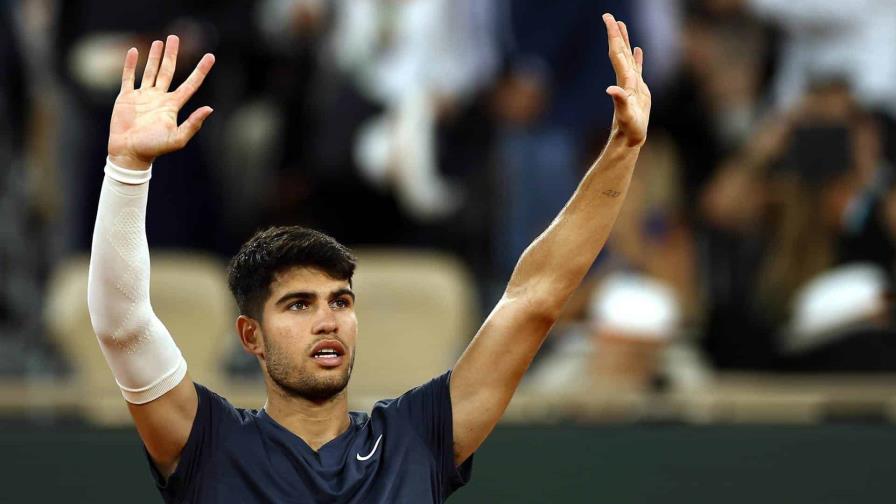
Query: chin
317, 386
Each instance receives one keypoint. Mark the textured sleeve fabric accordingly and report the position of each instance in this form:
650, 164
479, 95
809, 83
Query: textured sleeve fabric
428, 409
143, 357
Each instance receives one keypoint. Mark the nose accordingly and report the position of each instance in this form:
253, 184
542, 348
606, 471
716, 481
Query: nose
325, 322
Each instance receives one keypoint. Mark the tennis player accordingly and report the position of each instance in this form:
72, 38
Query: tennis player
294, 291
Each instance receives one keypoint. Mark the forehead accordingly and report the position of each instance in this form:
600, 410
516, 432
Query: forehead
304, 279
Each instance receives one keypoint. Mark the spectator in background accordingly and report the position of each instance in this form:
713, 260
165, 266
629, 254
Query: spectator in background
396, 74
856, 40
710, 109
829, 206
547, 110
711, 105
91, 36
660, 23
547, 119
20, 265
418, 59
642, 296
814, 182
293, 32
267, 130
653, 238
738, 251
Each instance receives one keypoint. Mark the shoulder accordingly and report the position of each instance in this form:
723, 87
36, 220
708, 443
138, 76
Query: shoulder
214, 407
437, 385
218, 430
430, 398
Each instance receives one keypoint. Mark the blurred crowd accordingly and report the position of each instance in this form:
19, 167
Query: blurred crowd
759, 231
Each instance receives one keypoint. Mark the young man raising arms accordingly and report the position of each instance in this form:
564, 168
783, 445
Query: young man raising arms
293, 288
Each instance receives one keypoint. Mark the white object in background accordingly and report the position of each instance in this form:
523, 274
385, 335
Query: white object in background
372, 150
828, 38
833, 301
95, 60
636, 305
420, 187
392, 49
398, 148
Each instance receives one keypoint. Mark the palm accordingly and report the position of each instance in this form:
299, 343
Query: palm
631, 96
144, 121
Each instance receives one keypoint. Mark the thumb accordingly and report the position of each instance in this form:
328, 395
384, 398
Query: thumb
191, 126
620, 97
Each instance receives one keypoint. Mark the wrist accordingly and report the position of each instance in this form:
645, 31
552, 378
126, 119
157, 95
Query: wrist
128, 176
621, 140
130, 162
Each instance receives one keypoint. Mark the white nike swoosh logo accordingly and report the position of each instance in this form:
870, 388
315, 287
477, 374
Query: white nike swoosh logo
375, 446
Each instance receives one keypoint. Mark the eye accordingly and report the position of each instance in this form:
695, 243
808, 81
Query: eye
341, 303
298, 306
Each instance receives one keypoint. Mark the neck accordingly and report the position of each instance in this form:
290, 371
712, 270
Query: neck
316, 422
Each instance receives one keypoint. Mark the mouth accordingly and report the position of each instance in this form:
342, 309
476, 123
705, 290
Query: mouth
328, 353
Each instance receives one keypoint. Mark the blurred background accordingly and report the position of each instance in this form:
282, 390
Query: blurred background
733, 342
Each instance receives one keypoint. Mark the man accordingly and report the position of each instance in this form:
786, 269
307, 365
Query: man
293, 287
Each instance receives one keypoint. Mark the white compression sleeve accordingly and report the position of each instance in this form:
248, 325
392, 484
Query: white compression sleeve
143, 357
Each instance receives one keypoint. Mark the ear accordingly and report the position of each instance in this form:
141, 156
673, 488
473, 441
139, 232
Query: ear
249, 331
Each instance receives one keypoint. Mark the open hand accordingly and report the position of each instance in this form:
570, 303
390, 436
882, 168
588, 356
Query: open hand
631, 97
144, 121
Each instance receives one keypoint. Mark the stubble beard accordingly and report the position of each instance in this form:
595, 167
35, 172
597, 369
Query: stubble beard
303, 383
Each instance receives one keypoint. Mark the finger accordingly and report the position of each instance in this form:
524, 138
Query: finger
617, 49
630, 81
639, 60
169, 61
194, 81
188, 129
620, 96
152, 64
624, 31
127, 74
614, 35
618, 92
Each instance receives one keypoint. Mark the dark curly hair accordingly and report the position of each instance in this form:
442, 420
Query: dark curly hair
275, 249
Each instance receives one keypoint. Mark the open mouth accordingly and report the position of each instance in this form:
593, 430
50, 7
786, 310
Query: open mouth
328, 352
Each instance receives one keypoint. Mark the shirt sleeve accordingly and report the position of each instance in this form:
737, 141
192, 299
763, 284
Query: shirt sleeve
211, 419
427, 408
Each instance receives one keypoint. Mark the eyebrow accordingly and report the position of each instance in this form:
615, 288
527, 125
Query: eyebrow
308, 295
342, 292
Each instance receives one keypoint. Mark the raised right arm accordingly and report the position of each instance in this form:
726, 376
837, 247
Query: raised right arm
145, 361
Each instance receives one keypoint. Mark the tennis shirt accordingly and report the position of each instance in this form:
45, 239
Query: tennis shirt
402, 452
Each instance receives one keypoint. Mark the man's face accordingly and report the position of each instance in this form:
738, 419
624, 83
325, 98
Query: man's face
308, 329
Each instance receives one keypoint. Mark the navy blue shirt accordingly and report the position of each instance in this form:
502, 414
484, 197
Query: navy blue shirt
401, 452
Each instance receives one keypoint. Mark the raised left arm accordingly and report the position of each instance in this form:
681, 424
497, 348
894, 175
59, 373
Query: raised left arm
487, 374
